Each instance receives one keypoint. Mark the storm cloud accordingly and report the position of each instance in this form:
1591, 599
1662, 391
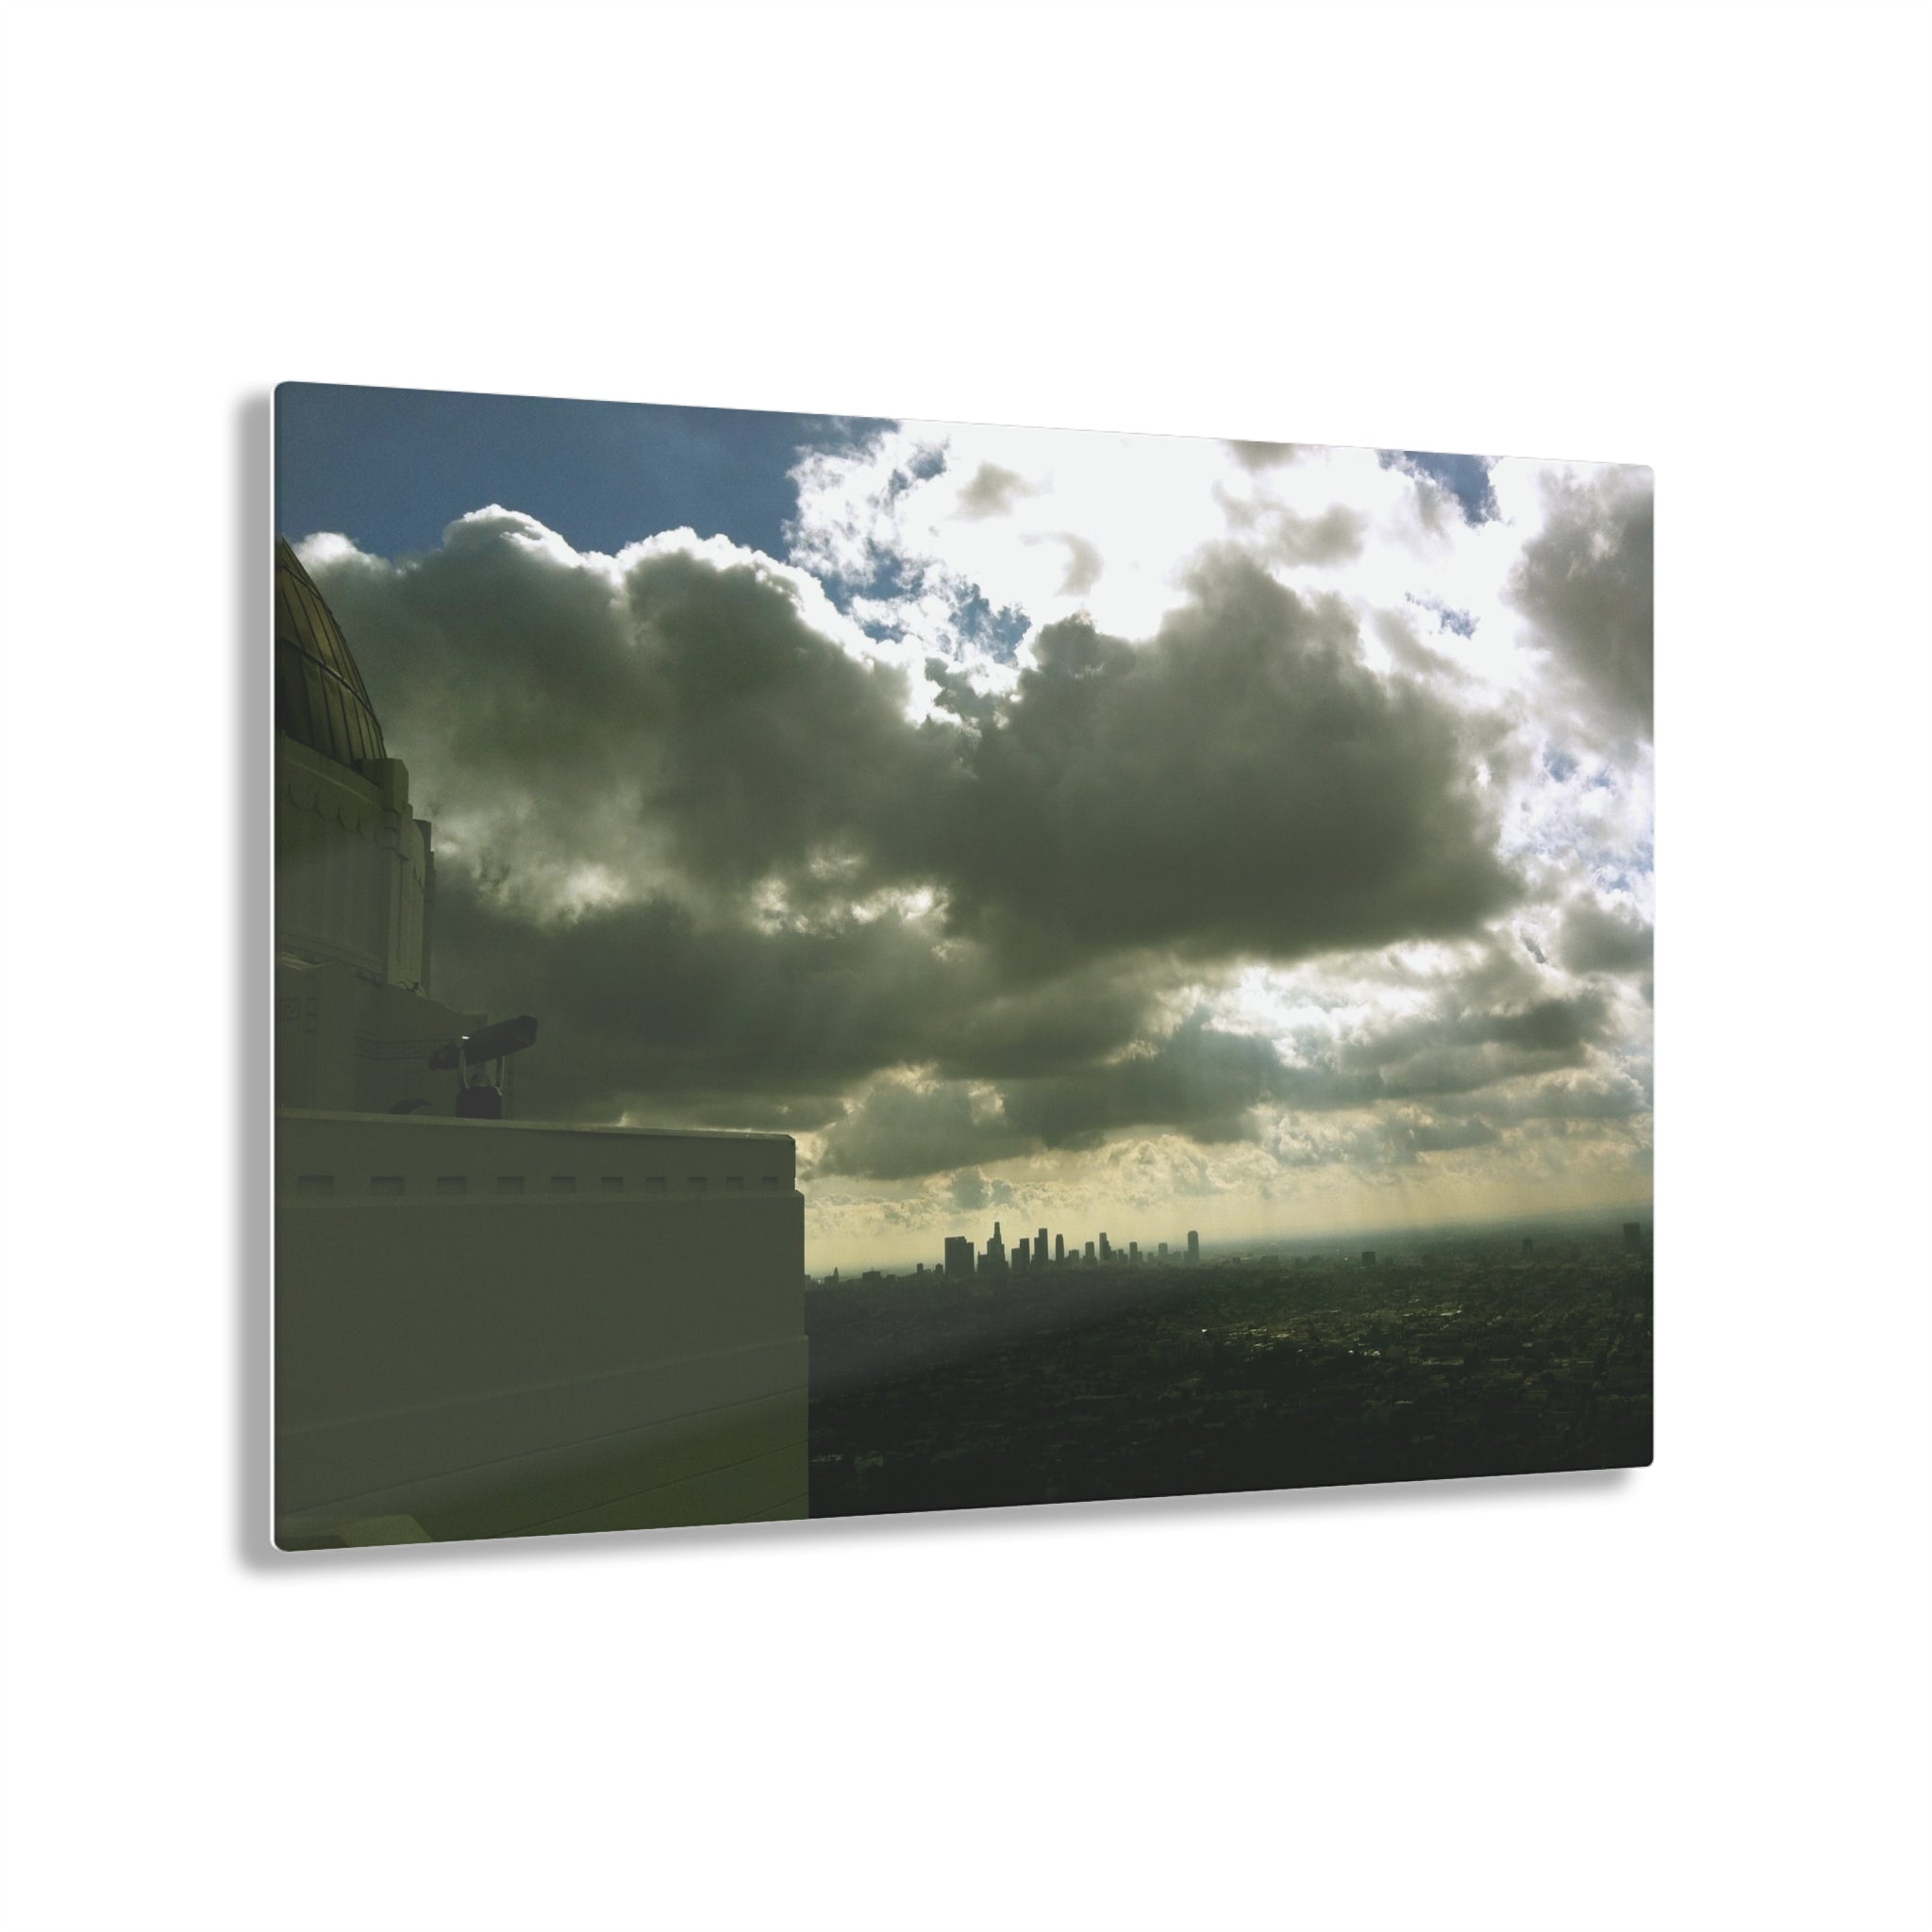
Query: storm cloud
763, 851
689, 724
1585, 584
1599, 938
649, 1009
1241, 785
1218, 1085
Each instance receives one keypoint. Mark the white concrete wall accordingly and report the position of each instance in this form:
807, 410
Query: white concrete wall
503, 1328
352, 864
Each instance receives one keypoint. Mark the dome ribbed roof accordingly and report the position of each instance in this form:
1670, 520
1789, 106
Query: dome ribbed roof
320, 700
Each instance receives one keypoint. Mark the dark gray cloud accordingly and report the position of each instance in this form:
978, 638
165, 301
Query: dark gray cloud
1446, 1136
688, 723
900, 1130
649, 1008
645, 1011
1258, 457
1198, 1079
701, 841
772, 752
1514, 1064
1279, 535
1398, 636
1595, 939
1611, 1093
1239, 786
1584, 583
1333, 537
645, 1007
992, 492
1084, 566
1451, 1051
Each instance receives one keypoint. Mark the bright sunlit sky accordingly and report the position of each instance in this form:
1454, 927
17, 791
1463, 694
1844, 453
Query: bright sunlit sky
1083, 830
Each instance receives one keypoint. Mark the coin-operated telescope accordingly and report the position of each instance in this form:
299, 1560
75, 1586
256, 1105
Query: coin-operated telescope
476, 1059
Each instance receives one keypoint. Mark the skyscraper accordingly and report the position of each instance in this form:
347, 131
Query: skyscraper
996, 1252
1060, 1247
958, 1257
1040, 1249
1193, 1244
1106, 1247
1089, 1251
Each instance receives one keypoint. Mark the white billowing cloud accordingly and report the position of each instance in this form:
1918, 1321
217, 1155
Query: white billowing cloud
1049, 523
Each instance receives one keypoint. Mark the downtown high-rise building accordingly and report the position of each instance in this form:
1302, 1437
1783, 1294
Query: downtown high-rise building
1193, 1244
1040, 1249
958, 1257
1060, 1247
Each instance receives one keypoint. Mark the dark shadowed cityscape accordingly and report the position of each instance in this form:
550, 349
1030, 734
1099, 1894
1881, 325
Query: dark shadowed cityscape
1052, 1370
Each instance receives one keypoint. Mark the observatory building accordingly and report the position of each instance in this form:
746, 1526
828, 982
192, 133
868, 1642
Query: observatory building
485, 1325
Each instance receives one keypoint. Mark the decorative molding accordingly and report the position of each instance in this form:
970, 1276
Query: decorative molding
369, 1047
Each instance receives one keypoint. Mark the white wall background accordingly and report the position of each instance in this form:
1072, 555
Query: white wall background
1697, 1697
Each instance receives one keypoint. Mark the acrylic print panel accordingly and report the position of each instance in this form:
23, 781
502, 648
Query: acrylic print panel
832, 966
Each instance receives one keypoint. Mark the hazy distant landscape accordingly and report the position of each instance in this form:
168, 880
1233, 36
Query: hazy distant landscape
1480, 1353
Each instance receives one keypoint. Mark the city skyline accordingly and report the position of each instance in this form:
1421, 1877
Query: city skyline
961, 1259
1072, 830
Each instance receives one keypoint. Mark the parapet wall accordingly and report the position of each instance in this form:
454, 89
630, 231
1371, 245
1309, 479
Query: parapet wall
498, 1328
336, 1154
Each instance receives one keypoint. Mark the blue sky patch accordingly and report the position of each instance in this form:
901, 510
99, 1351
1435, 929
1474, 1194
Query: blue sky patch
390, 468
996, 632
1465, 477
1447, 617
